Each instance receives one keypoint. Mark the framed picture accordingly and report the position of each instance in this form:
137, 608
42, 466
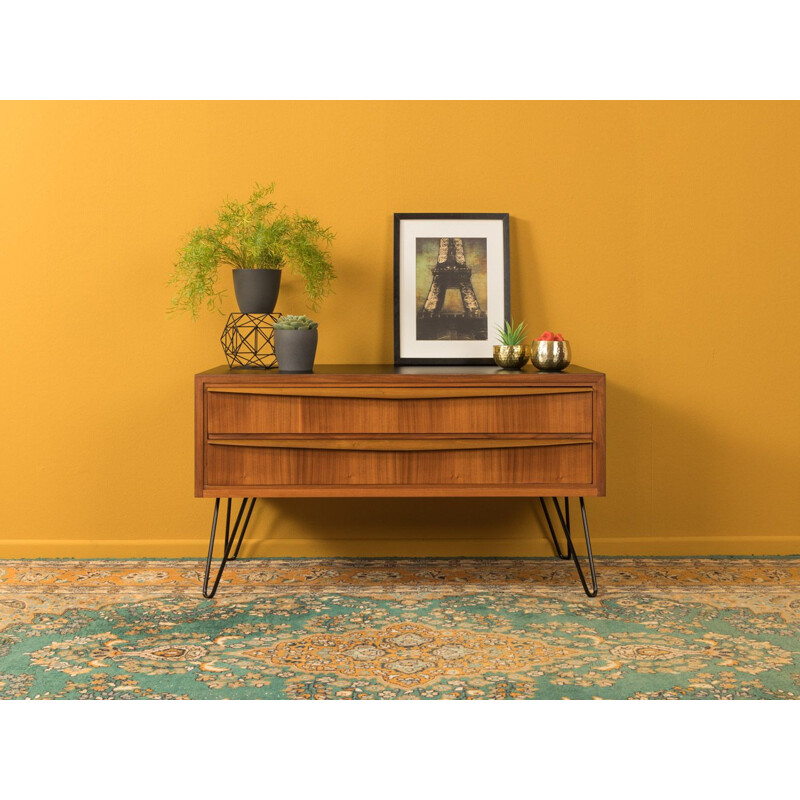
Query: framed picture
450, 287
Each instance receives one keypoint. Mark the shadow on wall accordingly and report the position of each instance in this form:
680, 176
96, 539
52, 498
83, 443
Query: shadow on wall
522, 246
673, 475
410, 527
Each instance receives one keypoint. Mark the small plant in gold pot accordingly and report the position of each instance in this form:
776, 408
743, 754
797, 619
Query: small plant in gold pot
550, 352
511, 353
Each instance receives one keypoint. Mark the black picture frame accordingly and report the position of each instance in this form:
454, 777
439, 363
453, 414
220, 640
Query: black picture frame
410, 350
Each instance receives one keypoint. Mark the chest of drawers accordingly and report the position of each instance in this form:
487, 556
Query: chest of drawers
391, 432
385, 431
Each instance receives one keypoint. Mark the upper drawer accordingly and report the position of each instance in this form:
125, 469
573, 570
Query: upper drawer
398, 410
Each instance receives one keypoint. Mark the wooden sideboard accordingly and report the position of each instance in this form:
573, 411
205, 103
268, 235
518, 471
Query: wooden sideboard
386, 431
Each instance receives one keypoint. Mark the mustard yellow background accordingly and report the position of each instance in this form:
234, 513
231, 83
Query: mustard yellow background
661, 238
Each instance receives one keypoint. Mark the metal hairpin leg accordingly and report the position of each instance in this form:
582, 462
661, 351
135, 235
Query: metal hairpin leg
565, 526
230, 537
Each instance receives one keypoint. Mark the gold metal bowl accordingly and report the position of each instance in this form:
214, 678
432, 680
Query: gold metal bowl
550, 356
509, 357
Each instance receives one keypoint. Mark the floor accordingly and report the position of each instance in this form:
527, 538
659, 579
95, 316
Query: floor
687, 628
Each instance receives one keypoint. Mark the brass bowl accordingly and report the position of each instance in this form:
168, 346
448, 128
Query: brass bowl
509, 357
550, 356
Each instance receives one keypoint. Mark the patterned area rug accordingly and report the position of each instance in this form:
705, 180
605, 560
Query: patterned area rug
401, 629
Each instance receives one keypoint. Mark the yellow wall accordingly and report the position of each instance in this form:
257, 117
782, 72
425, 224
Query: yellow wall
661, 238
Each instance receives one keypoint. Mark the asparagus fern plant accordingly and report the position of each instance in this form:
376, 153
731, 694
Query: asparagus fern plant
256, 234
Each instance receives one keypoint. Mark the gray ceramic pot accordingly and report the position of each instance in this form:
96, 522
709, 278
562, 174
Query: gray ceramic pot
295, 350
256, 289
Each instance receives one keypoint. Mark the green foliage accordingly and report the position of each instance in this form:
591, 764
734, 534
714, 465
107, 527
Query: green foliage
252, 235
292, 322
511, 336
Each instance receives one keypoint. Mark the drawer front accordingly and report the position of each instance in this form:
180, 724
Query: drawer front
397, 411
491, 464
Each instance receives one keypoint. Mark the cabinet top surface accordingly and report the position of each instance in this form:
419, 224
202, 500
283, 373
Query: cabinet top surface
386, 370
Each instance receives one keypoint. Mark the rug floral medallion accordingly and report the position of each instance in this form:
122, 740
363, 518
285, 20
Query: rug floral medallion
725, 628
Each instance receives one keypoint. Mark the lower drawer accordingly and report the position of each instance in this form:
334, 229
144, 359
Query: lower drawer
498, 465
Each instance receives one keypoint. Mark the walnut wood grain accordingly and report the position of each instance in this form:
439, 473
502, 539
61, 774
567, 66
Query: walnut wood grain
397, 490
374, 443
200, 429
361, 431
549, 413
599, 436
396, 392
254, 466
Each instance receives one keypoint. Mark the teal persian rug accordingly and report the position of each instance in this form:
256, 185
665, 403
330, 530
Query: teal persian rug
690, 628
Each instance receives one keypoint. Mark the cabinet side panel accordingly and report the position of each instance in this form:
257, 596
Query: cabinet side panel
599, 435
199, 435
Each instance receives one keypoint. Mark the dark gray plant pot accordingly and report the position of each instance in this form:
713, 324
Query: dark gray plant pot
256, 289
295, 350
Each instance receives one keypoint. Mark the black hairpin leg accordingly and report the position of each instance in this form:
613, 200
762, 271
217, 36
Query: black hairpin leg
563, 556
230, 537
565, 526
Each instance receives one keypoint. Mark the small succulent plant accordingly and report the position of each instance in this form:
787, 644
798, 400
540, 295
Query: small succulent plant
511, 336
292, 322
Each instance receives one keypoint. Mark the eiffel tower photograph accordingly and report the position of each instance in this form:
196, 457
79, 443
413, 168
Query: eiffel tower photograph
451, 288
